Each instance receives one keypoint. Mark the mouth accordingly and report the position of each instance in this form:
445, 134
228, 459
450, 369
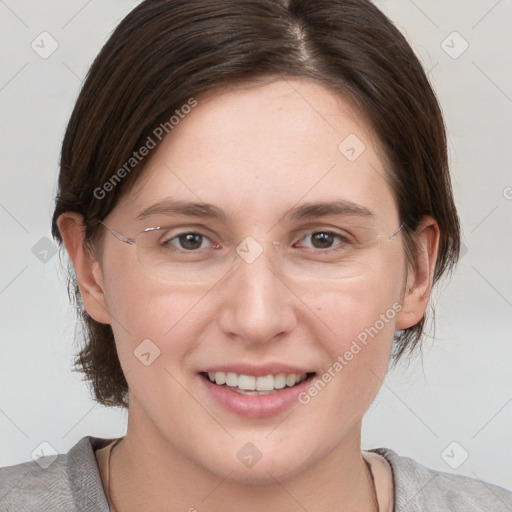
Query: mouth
252, 385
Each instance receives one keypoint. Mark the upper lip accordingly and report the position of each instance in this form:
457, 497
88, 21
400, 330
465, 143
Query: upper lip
257, 370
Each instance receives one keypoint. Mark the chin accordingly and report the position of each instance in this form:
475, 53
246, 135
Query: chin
249, 465
263, 473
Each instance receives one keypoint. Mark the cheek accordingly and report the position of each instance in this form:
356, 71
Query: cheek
149, 316
362, 308
360, 315
361, 328
155, 329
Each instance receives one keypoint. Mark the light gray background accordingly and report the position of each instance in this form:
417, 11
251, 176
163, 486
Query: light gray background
461, 392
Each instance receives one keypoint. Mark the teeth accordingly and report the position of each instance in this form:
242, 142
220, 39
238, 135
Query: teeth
255, 393
263, 383
230, 380
219, 377
279, 381
254, 384
291, 379
247, 382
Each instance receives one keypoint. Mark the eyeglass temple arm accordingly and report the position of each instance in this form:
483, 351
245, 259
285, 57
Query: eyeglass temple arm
394, 235
119, 236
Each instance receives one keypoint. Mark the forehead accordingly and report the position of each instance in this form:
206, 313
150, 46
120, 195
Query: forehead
256, 150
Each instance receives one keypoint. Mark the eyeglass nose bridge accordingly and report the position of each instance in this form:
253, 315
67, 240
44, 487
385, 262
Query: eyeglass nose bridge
250, 248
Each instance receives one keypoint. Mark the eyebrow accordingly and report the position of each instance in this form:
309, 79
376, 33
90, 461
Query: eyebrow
301, 212
324, 209
184, 208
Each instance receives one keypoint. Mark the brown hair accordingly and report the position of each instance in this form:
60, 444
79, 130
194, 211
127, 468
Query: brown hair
167, 51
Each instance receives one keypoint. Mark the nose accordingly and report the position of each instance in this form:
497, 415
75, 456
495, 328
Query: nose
257, 305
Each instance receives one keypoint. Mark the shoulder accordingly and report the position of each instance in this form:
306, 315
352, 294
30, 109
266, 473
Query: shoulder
70, 482
420, 488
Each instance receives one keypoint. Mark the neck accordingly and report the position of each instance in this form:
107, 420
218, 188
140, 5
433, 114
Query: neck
149, 473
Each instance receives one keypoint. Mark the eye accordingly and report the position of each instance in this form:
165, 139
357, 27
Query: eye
189, 241
325, 240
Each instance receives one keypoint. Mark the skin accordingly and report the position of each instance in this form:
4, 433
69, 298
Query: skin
176, 433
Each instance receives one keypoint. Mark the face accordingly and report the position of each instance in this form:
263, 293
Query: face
256, 153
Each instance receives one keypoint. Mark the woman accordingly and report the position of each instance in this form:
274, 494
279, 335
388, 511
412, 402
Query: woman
256, 203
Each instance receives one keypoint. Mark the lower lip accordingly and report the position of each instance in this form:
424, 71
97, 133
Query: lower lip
259, 406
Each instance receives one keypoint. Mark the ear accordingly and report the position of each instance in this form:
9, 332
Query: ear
420, 277
87, 269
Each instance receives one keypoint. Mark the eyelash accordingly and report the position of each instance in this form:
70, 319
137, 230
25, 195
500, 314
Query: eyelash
343, 240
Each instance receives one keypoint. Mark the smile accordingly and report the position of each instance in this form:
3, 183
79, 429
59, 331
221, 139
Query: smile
253, 385
255, 392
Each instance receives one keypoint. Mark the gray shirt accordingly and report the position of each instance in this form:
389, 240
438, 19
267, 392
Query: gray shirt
72, 483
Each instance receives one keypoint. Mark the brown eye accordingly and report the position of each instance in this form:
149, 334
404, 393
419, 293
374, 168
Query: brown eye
190, 241
324, 240
186, 241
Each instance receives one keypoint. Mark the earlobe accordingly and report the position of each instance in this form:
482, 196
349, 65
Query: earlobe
88, 271
420, 277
